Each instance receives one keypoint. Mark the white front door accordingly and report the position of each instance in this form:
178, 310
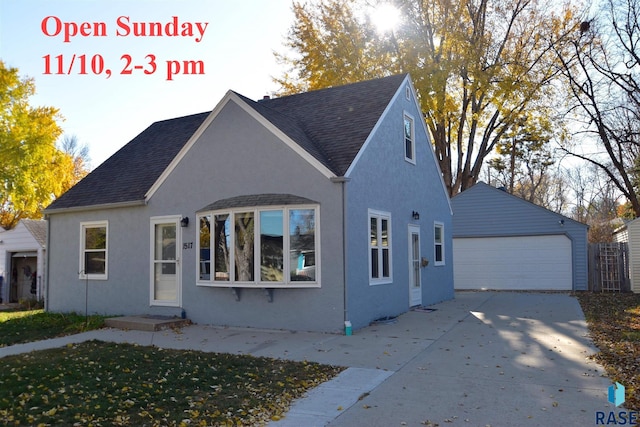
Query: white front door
165, 261
415, 283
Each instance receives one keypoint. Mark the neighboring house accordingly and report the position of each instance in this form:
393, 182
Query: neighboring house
630, 233
501, 241
22, 261
300, 212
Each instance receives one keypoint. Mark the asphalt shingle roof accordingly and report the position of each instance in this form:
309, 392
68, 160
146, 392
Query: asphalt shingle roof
127, 175
330, 124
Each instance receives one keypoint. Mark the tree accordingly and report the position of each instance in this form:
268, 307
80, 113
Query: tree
522, 154
602, 75
79, 155
477, 65
32, 170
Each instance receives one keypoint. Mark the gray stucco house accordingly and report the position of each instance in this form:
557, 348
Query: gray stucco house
503, 242
300, 212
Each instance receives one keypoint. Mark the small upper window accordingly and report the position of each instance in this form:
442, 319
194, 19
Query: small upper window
93, 250
407, 92
409, 139
438, 243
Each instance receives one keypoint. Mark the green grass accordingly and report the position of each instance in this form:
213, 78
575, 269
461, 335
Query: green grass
20, 326
97, 383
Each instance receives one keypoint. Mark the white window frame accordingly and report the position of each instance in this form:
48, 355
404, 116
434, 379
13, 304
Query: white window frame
257, 283
379, 215
411, 119
437, 224
81, 269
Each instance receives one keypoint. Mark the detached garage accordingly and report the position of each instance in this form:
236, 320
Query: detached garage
503, 242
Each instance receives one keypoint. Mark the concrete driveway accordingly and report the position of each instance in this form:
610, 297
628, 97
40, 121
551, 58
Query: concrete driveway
490, 359
483, 359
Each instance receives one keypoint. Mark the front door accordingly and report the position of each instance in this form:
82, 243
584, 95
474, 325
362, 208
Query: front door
415, 285
165, 261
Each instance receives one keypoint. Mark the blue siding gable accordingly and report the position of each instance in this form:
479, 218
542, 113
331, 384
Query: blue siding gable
381, 179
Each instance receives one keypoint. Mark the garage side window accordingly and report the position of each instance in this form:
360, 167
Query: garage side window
94, 250
438, 243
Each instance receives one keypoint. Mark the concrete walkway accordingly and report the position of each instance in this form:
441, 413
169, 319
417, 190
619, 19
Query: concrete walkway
485, 358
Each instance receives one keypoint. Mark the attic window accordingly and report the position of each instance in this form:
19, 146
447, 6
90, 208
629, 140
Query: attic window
407, 93
266, 247
409, 139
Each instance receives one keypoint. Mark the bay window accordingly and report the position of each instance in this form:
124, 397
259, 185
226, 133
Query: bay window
270, 246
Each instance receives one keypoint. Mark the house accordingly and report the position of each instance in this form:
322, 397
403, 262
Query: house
22, 261
503, 242
300, 212
629, 233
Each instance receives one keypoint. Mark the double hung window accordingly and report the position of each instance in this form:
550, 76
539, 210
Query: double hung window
438, 243
379, 247
93, 250
409, 139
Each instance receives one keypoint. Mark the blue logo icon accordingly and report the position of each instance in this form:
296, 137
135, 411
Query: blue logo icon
616, 394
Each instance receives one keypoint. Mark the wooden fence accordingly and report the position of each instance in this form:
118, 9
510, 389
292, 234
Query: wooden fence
609, 267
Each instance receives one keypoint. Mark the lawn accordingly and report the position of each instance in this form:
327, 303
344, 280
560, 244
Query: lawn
614, 324
20, 326
97, 383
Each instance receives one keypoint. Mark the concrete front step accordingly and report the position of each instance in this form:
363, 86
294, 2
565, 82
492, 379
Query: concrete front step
146, 322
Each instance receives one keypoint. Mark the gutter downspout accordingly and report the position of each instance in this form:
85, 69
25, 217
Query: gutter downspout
47, 264
343, 181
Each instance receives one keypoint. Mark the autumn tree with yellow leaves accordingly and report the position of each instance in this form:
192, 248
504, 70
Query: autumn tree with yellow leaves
479, 66
33, 171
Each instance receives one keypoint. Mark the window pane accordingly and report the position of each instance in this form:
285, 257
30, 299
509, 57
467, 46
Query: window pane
408, 149
438, 234
385, 262
385, 232
302, 245
374, 231
222, 242
165, 242
164, 282
438, 253
244, 245
95, 238
205, 247
271, 246
95, 262
374, 263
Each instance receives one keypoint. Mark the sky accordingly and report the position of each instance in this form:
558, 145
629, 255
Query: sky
226, 45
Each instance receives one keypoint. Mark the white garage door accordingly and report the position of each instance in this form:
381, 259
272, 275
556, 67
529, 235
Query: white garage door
512, 263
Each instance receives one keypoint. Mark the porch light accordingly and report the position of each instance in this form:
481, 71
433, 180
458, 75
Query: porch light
415, 215
184, 222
